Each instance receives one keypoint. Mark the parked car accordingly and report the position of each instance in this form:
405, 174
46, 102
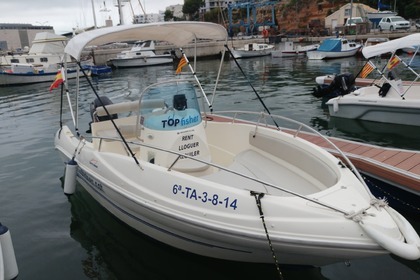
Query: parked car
353, 21
417, 24
393, 23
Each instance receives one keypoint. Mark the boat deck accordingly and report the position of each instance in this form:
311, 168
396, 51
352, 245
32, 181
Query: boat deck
397, 166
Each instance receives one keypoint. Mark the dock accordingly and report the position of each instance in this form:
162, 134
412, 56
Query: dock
397, 167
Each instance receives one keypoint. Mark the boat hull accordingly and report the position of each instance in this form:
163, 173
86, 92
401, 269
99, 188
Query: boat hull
141, 61
248, 54
9, 79
318, 55
364, 110
178, 216
366, 104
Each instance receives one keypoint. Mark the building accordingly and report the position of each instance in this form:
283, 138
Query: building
338, 18
16, 36
211, 4
176, 10
145, 18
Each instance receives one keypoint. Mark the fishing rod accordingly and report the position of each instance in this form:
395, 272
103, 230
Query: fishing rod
255, 91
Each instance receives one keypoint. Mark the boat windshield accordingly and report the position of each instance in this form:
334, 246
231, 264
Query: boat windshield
170, 106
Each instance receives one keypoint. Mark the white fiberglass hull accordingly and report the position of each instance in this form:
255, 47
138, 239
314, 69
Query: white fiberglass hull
326, 55
142, 61
366, 104
8, 79
216, 220
248, 54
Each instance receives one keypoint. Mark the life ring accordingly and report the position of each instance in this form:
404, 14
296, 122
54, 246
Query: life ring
410, 249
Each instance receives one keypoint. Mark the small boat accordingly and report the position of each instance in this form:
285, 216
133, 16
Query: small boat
140, 55
335, 48
99, 70
374, 41
253, 50
214, 184
389, 99
28, 73
291, 50
40, 64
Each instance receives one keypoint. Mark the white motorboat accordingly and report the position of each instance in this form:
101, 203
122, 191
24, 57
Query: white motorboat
253, 50
220, 186
40, 64
28, 73
291, 50
389, 100
140, 55
335, 48
47, 49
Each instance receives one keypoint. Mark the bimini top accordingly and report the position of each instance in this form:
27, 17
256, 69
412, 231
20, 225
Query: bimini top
178, 33
408, 41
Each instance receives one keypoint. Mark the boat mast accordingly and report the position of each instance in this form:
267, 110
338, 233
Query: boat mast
120, 13
94, 15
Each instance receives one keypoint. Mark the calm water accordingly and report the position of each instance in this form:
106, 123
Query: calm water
56, 237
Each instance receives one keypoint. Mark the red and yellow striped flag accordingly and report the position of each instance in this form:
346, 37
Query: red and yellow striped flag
393, 62
182, 63
59, 79
366, 70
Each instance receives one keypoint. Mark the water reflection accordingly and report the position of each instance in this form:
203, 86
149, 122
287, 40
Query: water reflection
115, 251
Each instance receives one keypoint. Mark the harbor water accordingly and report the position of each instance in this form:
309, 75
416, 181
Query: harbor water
61, 237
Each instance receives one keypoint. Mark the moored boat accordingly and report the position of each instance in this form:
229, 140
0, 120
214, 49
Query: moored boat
291, 50
168, 167
389, 99
40, 64
26, 73
253, 50
140, 55
335, 48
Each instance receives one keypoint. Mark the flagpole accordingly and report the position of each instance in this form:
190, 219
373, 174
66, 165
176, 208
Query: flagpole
196, 79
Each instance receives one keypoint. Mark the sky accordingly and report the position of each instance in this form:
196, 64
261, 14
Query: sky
69, 14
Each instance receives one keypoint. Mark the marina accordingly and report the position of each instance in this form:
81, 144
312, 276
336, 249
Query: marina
260, 148
280, 83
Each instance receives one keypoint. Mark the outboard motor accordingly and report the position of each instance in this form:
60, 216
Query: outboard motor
341, 85
95, 104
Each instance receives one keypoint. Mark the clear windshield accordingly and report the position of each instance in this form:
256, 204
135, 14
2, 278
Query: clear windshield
170, 106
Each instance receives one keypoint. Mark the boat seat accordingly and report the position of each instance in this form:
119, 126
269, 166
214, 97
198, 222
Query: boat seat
130, 106
256, 165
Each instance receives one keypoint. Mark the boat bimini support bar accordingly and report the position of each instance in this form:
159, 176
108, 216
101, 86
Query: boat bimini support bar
196, 79
109, 115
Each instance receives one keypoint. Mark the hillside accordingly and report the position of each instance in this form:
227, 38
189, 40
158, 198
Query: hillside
292, 15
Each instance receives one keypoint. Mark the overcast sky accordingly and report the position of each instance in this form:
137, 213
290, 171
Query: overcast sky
65, 15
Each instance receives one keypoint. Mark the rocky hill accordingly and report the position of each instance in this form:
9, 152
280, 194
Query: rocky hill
305, 15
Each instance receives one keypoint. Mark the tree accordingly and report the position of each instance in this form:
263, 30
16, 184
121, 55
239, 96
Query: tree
192, 8
169, 15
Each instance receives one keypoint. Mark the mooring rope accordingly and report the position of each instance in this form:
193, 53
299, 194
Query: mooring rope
258, 197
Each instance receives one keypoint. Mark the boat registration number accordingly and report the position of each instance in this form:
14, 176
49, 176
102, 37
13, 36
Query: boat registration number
205, 197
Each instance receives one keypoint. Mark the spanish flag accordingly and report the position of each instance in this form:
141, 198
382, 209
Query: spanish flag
182, 62
59, 79
366, 70
393, 62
